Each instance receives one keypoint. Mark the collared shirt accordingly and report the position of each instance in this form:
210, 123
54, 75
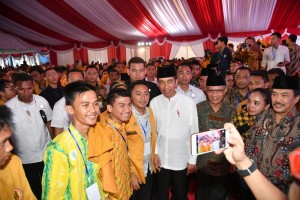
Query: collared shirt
269, 145
194, 93
65, 174
145, 126
273, 56
235, 97
210, 163
243, 121
31, 135
293, 67
176, 120
60, 117
154, 81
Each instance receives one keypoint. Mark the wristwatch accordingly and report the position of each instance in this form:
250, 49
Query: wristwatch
249, 171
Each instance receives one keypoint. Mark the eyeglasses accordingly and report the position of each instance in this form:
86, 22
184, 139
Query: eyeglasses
218, 92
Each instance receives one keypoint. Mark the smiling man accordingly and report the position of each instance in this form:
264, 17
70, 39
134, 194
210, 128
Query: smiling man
141, 133
108, 146
274, 131
212, 169
68, 174
176, 120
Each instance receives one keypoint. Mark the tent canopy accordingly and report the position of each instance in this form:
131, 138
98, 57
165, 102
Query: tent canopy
62, 25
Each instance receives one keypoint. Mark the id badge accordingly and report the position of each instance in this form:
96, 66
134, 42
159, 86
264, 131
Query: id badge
147, 149
92, 192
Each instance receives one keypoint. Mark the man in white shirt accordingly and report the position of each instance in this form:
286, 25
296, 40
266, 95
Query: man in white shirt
176, 120
31, 116
60, 118
276, 56
151, 73
184, 76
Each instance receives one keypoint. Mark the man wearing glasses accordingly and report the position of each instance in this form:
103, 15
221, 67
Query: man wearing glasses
213, 169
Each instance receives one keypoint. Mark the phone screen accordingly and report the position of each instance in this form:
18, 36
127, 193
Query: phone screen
209, 141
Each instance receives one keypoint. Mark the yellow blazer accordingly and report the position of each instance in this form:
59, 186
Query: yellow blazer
135, 140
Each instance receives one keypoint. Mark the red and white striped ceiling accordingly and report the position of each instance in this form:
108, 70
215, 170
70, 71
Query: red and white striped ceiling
98, 23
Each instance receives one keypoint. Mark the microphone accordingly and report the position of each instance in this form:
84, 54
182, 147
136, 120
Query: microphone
43, 115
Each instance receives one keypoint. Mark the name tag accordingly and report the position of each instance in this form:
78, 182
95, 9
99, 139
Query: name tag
147, 149
93, 192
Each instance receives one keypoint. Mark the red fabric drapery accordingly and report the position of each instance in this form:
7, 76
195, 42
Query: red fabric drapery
209, 45
53, 57
116, 52
122, 53
136, 14
16, 55
285, 10
4, 55
81, 55
111, 53
208, 15
160, 50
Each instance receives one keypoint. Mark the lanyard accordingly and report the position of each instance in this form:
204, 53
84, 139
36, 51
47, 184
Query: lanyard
86, 169
118, 132
143, 128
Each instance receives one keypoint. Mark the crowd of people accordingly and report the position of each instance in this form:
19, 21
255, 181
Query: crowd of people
124, 132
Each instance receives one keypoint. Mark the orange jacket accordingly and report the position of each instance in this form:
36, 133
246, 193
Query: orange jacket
135, 140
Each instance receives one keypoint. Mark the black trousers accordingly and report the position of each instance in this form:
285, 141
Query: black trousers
177, 180
211, 187
144, 193
34, 173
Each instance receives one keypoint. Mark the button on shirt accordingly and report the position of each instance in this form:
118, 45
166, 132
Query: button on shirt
273, 56
194, 93
176, 120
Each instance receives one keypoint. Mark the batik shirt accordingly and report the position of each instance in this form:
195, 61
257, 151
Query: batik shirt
293, 67
235, 97
269, 145
65, 175
211, 163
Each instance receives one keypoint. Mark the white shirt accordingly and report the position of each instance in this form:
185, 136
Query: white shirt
176, 120
273, 56
195, 93
60, 117
30, 136
154, 81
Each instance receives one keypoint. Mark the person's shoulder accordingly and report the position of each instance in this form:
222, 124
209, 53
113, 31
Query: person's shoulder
14, 159
203, 104
11, 102
62, 101
185, 98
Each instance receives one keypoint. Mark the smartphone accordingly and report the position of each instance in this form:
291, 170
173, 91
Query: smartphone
209, 141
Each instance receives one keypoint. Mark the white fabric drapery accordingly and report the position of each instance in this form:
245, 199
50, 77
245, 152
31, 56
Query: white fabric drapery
98, 55
245, 16
65, 58
198, 50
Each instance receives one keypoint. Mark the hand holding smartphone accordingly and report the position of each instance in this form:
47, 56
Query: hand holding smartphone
209, 141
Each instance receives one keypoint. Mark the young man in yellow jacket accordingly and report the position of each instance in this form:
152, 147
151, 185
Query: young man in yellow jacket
141, 134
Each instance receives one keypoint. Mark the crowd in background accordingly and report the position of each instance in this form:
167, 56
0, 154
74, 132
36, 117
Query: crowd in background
139, 146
